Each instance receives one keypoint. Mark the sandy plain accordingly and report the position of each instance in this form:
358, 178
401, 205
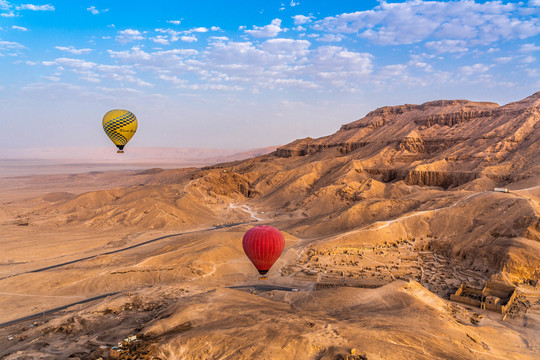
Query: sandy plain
88, 259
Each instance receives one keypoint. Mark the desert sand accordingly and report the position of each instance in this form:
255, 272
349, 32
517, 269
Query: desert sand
383, 220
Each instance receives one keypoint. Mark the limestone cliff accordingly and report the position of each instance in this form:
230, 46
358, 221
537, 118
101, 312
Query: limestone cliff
410, 142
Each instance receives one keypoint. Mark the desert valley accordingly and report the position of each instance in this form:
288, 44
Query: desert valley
397, 247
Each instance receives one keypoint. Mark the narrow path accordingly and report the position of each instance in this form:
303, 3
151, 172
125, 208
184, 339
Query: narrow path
247, 208
387, 223
7, 323
526, 189
126, 248
45, 296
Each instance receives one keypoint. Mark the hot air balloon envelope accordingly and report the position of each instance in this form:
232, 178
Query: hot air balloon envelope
120, 126
263, 245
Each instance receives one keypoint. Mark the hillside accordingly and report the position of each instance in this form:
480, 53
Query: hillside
400, 202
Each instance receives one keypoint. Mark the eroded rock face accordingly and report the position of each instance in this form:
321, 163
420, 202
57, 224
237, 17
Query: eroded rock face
452, 119
471, 138
412, 143
439, 178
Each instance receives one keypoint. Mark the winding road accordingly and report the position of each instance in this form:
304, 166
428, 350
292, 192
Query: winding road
128, 248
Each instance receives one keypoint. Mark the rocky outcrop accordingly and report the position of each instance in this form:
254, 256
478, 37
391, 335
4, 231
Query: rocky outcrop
443, 179
412, 143
481, 137
228, 183
309, 148
439, 178
453, 118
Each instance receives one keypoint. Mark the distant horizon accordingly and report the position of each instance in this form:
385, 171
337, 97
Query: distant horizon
53, 161
247, 75
141, 153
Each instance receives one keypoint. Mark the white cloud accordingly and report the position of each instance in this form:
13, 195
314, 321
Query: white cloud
330, 38
533, 72
534, 2
219, 87
20, 28
267, 31
170, 36
129, 35
529, 47
9, 46
160, 39
288, 47
218, 38
119, 91
156, 61
51, 78
199, 30
32, 7
174, 22
416, 62
528, 59
229, 65
215, 28
474, 69
95, 11
415, 21
302, 19
71, 63
118, 69
294, 3
448, 46
188, 38
334, 58
90, 77
173, 80
504, 59
72, 50
393, 70
133, 55
6, 6
93, 72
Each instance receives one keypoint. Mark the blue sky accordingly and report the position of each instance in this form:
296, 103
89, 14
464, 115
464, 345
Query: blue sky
245, 74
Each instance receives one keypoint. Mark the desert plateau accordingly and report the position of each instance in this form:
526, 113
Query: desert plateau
397, 246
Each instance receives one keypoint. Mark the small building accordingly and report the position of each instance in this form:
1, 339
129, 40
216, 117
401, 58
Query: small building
493, 296
116, 352
504, 190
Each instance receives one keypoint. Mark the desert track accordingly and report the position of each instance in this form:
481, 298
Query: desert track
46, 312
128, 248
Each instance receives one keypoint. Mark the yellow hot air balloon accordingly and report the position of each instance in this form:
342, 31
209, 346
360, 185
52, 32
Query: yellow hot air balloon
120, 126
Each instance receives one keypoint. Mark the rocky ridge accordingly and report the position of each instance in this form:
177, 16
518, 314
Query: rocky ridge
452, 137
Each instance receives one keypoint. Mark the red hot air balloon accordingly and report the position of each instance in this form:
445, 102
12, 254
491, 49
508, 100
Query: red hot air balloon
263, 245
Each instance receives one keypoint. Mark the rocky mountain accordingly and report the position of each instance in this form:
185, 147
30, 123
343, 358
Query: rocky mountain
440, 143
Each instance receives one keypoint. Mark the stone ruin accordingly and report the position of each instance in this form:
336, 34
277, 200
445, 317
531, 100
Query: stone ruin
494, 296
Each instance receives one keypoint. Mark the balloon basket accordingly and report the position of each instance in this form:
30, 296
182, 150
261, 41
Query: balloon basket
120, 152
263, 277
